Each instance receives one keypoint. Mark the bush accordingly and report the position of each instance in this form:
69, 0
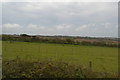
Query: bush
28, 38
18, 68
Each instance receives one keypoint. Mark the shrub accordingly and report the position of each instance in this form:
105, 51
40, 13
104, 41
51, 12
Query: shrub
18, 68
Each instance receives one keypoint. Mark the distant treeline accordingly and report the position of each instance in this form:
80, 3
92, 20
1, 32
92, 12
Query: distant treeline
67, 40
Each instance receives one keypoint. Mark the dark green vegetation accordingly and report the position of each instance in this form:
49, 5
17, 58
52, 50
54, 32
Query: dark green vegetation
109, 42
68, 59
18, 68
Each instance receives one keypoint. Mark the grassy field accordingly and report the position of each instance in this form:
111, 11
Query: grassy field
103, 58
0, 59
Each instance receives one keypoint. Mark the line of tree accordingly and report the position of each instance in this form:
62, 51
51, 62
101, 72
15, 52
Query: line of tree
28, 38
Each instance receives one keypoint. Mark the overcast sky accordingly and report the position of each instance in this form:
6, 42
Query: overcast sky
99, 19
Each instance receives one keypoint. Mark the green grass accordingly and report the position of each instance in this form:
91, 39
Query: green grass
103, 58
0, 59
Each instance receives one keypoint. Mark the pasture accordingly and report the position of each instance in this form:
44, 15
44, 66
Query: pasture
103, 58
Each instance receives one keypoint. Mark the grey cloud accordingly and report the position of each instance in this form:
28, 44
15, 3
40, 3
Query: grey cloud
70, 18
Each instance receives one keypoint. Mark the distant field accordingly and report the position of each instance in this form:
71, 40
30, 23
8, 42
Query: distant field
103, 58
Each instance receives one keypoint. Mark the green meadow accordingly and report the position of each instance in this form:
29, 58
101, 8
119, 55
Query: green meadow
102, 58
0, 59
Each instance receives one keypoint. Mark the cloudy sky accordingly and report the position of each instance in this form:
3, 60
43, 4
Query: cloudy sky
99, 19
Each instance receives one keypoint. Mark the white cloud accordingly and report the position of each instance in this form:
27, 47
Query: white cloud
66, 10
11, 25
81, 28
85, 27
59, 0
31, 7
107, 25
63, 26
33, 26
0, 28
67, 18
63, 29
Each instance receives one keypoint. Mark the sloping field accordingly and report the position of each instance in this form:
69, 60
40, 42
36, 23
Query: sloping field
102, 58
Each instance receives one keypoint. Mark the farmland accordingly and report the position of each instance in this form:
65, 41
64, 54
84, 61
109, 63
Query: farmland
102, 58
